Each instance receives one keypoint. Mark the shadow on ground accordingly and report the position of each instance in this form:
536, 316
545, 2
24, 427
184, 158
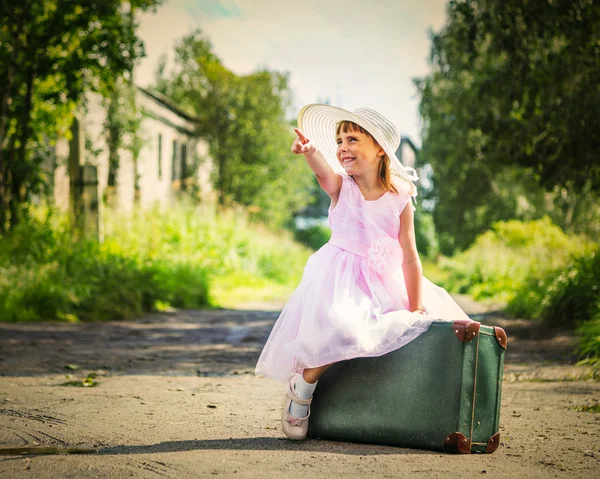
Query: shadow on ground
206, 343
262, 444
195, 342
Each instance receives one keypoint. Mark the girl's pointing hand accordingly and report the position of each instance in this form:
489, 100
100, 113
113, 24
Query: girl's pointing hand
301, 144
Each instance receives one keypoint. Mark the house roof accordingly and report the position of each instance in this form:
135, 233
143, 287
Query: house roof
166, 102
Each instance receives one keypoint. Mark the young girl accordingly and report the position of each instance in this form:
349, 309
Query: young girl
363, 293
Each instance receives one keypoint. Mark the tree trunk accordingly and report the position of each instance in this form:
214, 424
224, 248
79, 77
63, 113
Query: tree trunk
5, 92
26, 114
113, 140
4, 98
221, 174
571, 204
8, 200
14, 185
20, 168
113, 156
3, 192
4, 180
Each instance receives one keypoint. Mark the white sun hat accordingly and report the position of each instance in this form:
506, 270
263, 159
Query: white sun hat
318, 122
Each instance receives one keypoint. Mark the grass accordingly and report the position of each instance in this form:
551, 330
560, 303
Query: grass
183, 257
594, 408
233, 291
538, 271
513, 263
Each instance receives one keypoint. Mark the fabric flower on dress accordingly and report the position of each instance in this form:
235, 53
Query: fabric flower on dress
382, 252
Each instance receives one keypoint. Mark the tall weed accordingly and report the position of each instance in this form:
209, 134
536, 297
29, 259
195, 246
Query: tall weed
512, 263
573, 295
150, 259
589, 345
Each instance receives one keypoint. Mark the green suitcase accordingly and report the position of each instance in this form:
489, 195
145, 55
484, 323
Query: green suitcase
440, 392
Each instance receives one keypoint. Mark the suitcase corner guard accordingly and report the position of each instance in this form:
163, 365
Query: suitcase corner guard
457, 443
501, 337
493, 443
466, 330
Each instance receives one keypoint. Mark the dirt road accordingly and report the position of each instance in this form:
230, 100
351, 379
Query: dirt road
173, 395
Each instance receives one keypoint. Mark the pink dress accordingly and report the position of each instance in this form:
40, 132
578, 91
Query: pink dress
352, 300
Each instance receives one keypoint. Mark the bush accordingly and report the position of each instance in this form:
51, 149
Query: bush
512, 263
427, 243
589, 345
313, 236
573, 296
569, 298
147, 260
81, 281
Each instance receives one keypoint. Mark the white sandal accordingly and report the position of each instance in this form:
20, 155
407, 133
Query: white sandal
293, 427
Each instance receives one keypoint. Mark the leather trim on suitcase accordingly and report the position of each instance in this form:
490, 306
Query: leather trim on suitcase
466, 329
501, 337
493, 443
457, 443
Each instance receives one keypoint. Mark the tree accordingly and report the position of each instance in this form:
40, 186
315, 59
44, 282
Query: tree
51, 53
243, 118
509, 123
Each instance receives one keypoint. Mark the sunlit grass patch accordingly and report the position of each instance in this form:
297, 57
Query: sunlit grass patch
233, 291
513, 263
86, 382
434, 272
593, 408
151, 260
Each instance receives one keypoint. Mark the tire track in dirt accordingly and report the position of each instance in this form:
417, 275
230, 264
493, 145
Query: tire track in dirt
34, 417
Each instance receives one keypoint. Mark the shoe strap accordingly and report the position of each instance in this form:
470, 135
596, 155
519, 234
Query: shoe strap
292, 395
296, 421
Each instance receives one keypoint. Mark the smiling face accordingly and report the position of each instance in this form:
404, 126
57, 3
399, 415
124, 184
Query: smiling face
357, 150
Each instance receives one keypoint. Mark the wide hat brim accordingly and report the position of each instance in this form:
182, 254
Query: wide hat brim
318, 122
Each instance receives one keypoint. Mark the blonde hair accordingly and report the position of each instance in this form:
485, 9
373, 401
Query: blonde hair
384, 166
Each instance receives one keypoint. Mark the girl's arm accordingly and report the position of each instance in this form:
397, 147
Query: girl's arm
327, 178
411, 266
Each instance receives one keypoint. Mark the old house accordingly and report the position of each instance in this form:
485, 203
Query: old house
172, 156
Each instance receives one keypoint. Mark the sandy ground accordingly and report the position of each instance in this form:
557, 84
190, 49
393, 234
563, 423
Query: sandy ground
175, 396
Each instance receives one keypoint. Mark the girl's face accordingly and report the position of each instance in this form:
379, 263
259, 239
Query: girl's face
358, 153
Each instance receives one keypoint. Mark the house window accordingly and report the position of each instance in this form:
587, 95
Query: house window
174, 163
159, 156
183, 170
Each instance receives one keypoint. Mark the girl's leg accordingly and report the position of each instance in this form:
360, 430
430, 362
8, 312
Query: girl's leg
295, 419
304, 388
312, 375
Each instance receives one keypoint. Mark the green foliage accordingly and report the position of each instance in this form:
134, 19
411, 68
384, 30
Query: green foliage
51, 53
160, 259
509, 126
589, 346
573, 296
180, 285
243, 118
427, 241
45, 274
243, 260
86, 382
513, 255
318, 206
221, 241
540, 273
313, 236
122, 125
82, 282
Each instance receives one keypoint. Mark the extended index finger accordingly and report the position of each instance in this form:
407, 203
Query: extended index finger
301, 135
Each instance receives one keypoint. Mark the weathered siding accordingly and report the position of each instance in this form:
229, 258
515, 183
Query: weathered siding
159, 178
